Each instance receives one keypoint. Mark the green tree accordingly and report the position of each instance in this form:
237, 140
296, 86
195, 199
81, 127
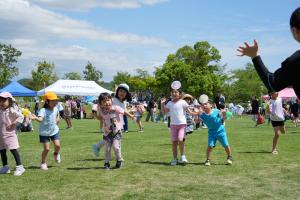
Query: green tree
121, 77
244, 84
72, 76
92, 74
8, 57
195, 67
44, 75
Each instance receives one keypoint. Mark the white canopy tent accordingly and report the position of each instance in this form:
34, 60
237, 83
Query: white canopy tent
74, 88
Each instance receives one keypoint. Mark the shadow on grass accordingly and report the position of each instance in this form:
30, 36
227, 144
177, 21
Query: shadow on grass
38, 167
154, 163
89, 168
262, 151
91, 159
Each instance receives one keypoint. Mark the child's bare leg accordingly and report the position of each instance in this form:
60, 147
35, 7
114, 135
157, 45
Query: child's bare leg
228, 150
45, 151
208, 152
181, 147
174, 148
275, 138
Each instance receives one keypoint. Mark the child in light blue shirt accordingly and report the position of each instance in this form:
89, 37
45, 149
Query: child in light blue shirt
214, 119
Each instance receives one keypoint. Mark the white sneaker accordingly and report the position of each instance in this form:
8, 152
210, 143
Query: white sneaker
44, 166
173, 162
96, 150
19, 170
183, 159
5, 170
57, 158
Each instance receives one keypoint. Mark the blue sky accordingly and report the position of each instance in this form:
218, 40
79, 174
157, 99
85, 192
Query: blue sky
123, 35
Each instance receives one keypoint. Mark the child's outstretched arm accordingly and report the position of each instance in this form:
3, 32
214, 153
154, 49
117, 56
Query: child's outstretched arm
128, 114
223, 114
163, 107
34, 117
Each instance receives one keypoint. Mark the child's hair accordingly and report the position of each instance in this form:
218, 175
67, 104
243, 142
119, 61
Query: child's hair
103, 96
124, 87
295, 19
179, 90
10, 102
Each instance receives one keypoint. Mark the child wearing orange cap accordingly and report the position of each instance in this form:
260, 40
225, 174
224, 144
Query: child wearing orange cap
48, 118
9, 117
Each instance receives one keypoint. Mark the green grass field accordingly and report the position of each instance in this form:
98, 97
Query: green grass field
146, 173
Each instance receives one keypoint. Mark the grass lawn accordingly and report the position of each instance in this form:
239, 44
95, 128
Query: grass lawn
146, 173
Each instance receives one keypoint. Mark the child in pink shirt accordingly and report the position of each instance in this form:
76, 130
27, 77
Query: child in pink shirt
112, 126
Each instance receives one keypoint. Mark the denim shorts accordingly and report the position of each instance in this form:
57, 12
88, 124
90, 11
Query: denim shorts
46, 139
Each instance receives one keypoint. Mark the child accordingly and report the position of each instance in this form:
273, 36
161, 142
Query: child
9, 117
139, 110
213, 118
122, 95
189, 117
176, 107
285, 76
277, 118
48, 118
68, 110
112, 118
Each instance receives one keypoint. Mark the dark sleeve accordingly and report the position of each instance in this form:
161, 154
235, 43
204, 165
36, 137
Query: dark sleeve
278, 80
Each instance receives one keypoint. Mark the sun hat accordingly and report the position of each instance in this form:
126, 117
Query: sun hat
176, 85
187, 96
6, 95
203, 99
50, 96
124, 86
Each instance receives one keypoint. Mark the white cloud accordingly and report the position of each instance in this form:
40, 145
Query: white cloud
31, 21
79, 5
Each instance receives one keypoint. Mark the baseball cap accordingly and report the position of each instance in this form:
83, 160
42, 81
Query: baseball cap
50, 96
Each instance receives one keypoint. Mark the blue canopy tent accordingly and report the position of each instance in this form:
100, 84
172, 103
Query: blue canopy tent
18, 90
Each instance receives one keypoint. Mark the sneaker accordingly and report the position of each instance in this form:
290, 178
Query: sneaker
106, 166
96, 150
5, 170
44, 166
229, 160
57, 158
19, 170
141, 130
118, 164
173, 162
183, 159
207, 162
275, 152
126, 131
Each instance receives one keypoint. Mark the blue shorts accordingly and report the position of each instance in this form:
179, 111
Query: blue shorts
221, 137
46, 139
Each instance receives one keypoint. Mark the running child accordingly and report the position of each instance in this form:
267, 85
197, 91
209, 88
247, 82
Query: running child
9, 118
277, 118
48, 119
112, 118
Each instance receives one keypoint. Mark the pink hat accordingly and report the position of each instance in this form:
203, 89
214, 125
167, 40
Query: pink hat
6, 95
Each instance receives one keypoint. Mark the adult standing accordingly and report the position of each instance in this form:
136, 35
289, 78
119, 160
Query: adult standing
255, 109
288, 74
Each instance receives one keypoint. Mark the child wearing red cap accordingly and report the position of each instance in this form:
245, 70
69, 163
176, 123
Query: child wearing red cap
48, 118
9, 117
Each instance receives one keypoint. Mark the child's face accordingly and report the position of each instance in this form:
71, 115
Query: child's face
52, 103
274, 95
121, 94
175, 94
206, 107
106, 103
4, 102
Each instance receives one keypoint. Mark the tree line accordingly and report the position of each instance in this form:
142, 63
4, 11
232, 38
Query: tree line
197, 67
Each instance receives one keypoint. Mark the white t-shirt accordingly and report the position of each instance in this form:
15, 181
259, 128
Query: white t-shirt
117, 102
177, 111
95, 107
276, 110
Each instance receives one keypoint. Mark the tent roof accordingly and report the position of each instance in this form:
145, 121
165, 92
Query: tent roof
18, 90
285, 94
74, 88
